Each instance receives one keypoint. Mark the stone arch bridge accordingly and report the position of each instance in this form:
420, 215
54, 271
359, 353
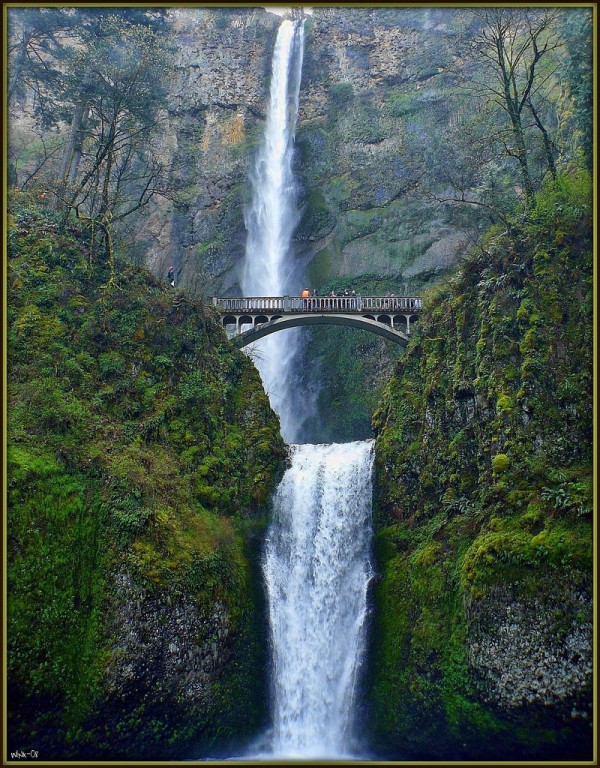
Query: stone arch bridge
387, 316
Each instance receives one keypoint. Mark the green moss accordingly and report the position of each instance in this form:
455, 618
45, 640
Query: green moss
500, 463
505, 403
483, 457
316, 215
140, 441
402, 104
340, 94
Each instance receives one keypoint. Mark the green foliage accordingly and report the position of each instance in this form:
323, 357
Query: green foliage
56, 554
107, 79
140, 441
362, 123
401, 104
340, 94
576, 29
512, 554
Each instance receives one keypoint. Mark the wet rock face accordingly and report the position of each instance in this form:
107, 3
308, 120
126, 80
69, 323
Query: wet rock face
165, 646
180, 676
527, 652
375, 83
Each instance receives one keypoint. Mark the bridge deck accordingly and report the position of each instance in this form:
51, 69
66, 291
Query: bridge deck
268, 305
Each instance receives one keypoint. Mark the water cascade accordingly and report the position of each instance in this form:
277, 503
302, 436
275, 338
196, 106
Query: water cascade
316, 563
270, 222
317, 570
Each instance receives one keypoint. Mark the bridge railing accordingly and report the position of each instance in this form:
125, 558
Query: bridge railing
250, 304
283, 304
394, 303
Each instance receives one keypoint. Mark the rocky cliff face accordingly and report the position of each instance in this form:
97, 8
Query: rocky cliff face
371, 79
217, 108
180, 666
518, 658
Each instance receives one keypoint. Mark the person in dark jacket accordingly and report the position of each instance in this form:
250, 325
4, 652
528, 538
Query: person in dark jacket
171, 275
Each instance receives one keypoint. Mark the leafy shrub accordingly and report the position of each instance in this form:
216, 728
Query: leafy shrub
340, 94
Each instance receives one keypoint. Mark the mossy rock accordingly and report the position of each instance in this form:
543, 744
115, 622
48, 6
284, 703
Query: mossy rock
481, 510
500, 463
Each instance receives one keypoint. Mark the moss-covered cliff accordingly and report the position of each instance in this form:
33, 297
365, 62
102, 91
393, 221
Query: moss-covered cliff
482, 637
142, 453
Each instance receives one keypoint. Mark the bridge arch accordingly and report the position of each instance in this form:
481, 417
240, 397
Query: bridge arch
293, 321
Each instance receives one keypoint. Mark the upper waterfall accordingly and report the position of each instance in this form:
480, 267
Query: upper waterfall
273, 215
270, 221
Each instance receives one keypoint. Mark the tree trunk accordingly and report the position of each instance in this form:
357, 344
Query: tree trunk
78, 149
16, 68
512, 107
547, 142
73, 143
521, 153
105, 199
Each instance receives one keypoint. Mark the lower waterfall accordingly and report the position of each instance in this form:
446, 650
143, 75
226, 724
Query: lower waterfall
317, 568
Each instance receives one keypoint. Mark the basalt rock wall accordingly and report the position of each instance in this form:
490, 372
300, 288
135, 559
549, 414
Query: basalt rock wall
371, 79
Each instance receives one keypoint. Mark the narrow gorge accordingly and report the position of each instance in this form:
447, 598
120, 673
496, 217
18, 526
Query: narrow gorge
332, 544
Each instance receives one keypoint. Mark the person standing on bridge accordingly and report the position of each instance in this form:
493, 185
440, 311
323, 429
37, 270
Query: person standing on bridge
305, 296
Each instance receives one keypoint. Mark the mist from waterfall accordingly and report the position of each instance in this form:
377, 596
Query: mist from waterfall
270, 223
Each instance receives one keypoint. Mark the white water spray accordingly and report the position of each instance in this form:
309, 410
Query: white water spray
317, 570
270, 221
